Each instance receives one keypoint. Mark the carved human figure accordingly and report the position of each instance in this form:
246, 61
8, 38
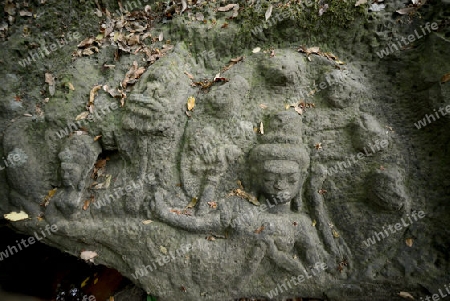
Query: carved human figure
278, 172
211, 147
77, 159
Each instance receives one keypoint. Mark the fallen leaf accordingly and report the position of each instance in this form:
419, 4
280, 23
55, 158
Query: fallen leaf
261, 128
88, 255
161, 37
360, 2
104, 184
268, 12
86, 42
227, 7
14, 216
24, 13
71, 87
28, 115
86, 204
323, 9
406, 295
97, 137
406, 10
298, 110
335, 233
190, 103
82, 116
192, 203
322, 191
83, 284
210, 238
377, 7
409, 242
183, 5
256, 50
189, 75
147, 222
263, 106
93, 93
100, 163
212, 205
225, 25
314, 223
245, 195
318, 146
445, 78
49, 195
163, 250
50, 80
259, 230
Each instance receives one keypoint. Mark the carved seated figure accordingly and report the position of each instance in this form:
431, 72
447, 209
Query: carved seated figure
77, 160
278, 172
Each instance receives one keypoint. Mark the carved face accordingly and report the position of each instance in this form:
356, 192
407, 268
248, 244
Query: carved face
280, 180
71, 174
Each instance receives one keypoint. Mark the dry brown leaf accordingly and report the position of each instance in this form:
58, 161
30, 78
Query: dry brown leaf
82, 116
406, 295
445, 78
259, 230
103, 185
212, 205
245, 195
24, 13
335, 233
190, 103
86, 42
97, 137
100, 163
409, 242
86, 204
93, 93
192, 203
189, 75
227, 7
49, 79
406, 10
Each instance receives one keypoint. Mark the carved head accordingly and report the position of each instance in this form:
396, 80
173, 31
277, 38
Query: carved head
77, 158
224, 102
278, 170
